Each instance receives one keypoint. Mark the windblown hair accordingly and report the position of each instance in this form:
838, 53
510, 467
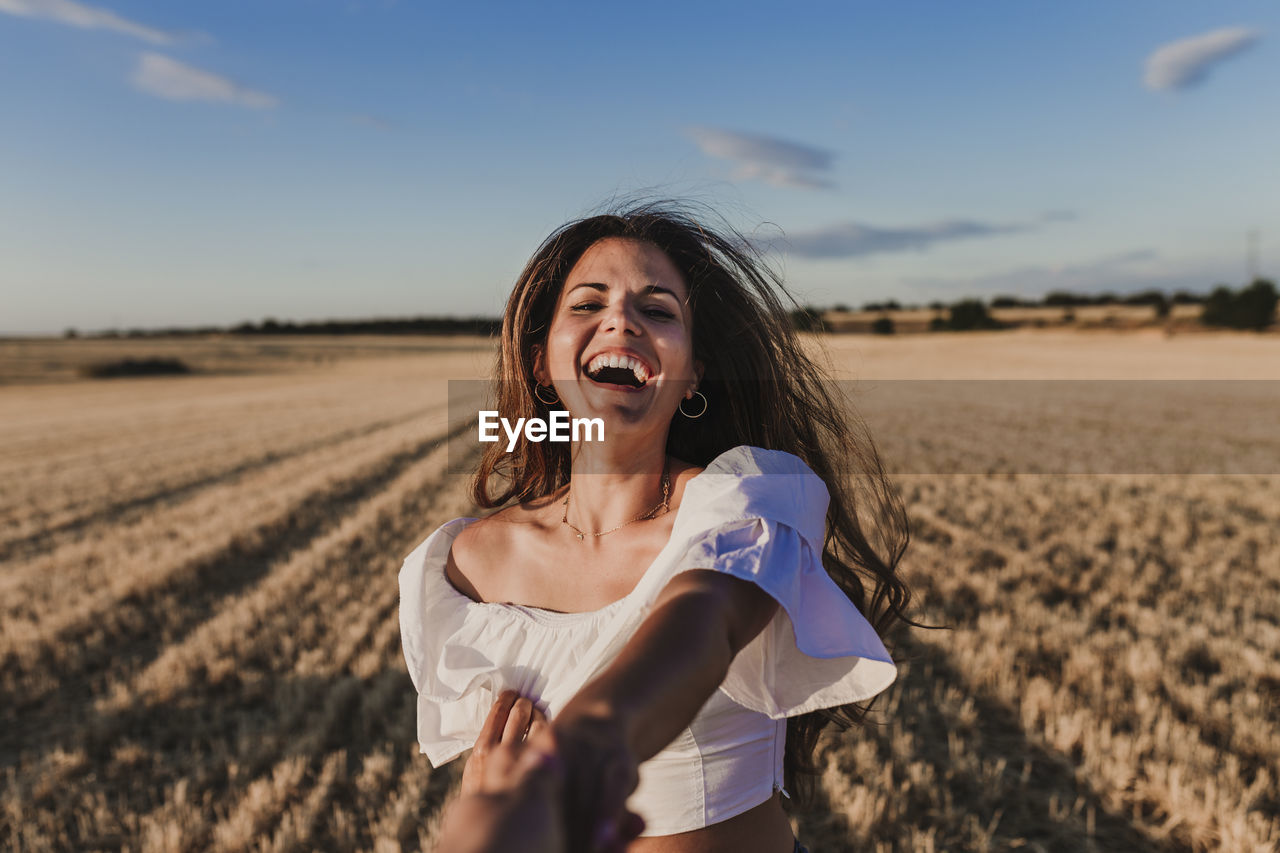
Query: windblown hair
762, 389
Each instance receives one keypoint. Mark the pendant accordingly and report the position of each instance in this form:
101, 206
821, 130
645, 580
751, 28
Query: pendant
579, 537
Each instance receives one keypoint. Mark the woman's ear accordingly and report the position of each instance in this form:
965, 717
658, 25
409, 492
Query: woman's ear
540, 365
698, 378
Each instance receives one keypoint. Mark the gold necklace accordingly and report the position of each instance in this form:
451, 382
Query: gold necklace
666, 494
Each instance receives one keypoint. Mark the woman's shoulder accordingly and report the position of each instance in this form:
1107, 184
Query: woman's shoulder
482, 548
754, 482
768, 475
682, 473
747, 460
485, 543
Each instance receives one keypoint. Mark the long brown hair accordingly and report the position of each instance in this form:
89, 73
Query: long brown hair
762, 389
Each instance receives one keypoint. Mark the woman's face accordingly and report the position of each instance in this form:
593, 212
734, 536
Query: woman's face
620, 344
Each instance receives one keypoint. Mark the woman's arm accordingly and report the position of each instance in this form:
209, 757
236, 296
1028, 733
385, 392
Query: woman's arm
654, 688
678, 657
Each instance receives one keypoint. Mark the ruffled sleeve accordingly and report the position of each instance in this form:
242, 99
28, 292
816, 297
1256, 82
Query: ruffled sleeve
762, 515
818, 651
460, 654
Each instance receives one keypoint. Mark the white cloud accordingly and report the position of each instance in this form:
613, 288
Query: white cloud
167, 78
1184, 63
766, 158
853, 239
86, 17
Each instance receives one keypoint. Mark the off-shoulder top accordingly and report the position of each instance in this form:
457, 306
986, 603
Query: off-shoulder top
756, 514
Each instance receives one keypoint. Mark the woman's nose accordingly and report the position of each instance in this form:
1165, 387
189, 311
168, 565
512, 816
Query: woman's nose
622, 317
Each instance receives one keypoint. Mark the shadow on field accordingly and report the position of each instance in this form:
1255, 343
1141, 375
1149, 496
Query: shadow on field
221, 735
270, 741
125, 511
972, 781
120, 641
297, 728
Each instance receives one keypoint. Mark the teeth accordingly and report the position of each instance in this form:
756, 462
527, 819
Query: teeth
622, 361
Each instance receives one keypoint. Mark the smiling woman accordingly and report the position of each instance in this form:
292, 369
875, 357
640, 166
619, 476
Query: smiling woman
689, 601
623, 323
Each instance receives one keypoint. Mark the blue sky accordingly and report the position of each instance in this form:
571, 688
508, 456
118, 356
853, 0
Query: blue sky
206, 163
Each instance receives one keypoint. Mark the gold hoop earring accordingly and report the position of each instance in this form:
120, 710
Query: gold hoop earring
699, 414
543, 400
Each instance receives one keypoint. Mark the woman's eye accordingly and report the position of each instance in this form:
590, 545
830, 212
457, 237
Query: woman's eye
589, 307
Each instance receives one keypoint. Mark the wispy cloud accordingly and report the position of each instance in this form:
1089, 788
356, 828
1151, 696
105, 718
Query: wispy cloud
167, 78
766, 158
86, 17
1184, 63
853, 239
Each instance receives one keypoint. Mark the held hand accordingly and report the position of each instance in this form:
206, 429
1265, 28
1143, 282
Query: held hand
512, 793
601, 774
510, 720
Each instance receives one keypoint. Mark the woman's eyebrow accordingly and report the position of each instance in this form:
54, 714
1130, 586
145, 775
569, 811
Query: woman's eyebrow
603, 288
656, 288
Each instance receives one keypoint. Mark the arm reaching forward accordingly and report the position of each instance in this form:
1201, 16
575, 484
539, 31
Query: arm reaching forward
654, 688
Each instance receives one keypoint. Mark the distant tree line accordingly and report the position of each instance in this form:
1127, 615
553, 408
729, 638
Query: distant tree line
156, 366
807, 319
270, 326
382, 326
964, 316
1252, 307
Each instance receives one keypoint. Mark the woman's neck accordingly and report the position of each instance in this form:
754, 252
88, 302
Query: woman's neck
613, 482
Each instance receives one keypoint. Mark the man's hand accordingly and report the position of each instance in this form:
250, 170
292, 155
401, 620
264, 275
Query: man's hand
601, 772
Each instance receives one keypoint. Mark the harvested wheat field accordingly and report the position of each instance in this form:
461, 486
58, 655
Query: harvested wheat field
199, 646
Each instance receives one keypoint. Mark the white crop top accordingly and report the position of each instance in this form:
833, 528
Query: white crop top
756, 514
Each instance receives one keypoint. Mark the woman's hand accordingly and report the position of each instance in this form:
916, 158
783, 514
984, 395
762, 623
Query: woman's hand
601, 772
517, 778
510, 720
511, 795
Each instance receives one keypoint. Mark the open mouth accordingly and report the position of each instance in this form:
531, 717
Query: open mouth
615, 369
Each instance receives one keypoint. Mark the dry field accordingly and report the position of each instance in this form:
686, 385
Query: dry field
44, 360
199, 645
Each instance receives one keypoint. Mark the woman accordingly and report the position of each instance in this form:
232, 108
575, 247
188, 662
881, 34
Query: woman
690, 600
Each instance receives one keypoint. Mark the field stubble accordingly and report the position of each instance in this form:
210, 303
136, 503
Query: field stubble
200, 646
